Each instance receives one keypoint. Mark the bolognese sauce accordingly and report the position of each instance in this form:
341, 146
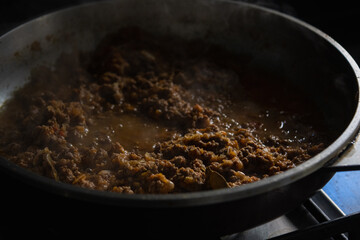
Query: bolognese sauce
150, 114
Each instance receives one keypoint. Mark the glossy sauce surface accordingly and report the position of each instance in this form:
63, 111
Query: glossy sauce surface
152, 114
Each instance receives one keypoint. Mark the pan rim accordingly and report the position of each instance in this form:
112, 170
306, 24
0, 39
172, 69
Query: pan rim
209, 196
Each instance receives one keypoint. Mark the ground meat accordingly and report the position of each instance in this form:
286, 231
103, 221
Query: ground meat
155, 115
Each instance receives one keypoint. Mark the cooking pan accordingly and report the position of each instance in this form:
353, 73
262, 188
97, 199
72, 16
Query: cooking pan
311, 60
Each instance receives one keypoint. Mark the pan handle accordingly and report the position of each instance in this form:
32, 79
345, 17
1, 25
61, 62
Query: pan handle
348, 160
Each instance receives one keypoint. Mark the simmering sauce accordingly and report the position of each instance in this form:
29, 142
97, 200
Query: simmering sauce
155, 114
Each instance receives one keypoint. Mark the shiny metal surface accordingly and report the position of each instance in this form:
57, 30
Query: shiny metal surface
296, 220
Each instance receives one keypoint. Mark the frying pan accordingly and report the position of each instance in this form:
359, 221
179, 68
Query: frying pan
311, 60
